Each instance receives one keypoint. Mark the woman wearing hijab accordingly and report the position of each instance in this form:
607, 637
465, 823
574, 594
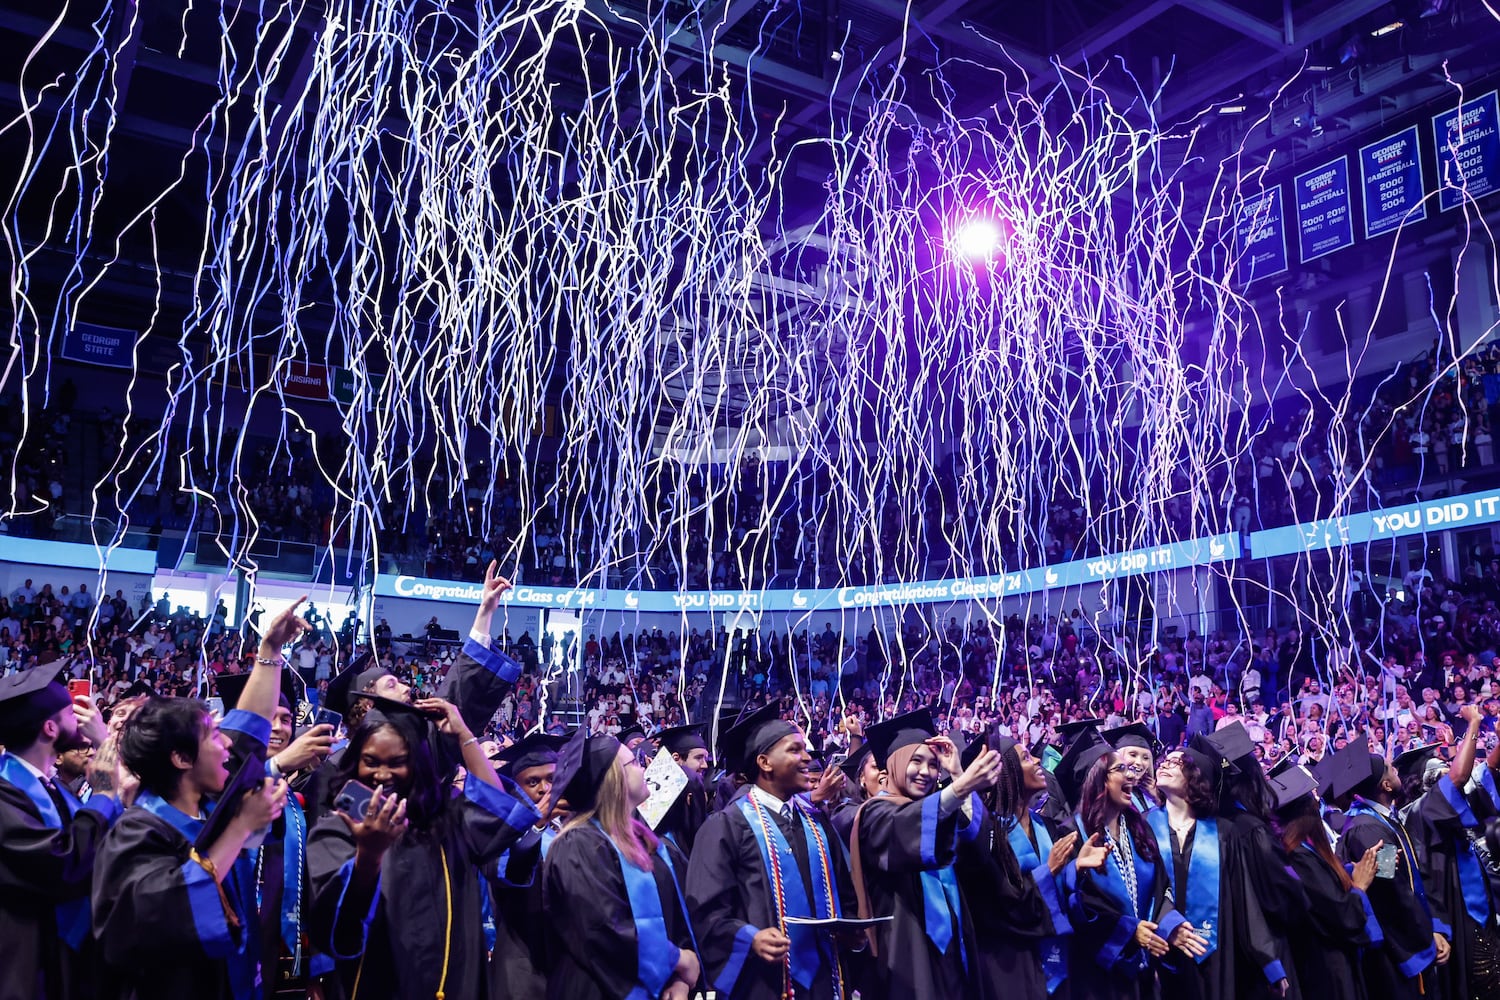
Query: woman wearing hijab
1224, 949
905, 841
1015, 880
396, 892
612, 887
1119, 909
1327, 934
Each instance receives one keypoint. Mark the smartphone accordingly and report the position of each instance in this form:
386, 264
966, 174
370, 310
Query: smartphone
216, 707
328, 717
353, 800
1385, 862
837, 760
81, 689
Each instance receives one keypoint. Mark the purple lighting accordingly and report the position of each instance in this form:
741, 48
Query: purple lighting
977, 239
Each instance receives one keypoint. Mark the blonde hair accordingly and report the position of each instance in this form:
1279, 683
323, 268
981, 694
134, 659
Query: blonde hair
616, 817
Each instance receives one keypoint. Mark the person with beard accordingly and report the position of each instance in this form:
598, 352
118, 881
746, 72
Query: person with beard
1446, 828
1327, 934
174, 904
1209, 888
762, 859
397, 894
1119, 906
680, 824
1245, 806
1015, 880
49, 839
905, 843
73, 769
287, 963
1404, 966
611, 887
519, 963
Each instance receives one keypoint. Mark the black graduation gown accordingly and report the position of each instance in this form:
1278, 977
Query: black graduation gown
730, 898
1439, 827
1104, 962
42, 867
897, 842
680, 824
1280, 894
1244, 957
1014, 909
594, 944
520, 962
158, 916
1396, 969
396, 948
1326, 936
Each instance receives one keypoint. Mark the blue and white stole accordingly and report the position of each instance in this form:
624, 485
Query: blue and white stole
73, 917
1202, 890
1054, 949
789, 894
656, 955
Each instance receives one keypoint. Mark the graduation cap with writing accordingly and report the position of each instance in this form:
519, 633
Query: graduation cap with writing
582, 763
1412, 763
742, 743
29, 698
536, 750
232, 688
1134, 735
1081, 755
682, 740
1354, 769
902, 731
1292, 785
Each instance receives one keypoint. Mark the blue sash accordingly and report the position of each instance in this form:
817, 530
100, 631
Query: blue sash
1471, 881
74, 916
1112, 880
1202, 890
656, 955
941, 905
1054, 949
804, 954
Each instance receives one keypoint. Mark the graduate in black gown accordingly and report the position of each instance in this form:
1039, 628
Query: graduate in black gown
174, 901
1246, 804
905, 842
762, 858
519, 962
680, 824
1445, 828
397, 896
1223, 948
1014, 882
1327, 934
863, 780
48, 839
1404, 966
612, 887
1118, 899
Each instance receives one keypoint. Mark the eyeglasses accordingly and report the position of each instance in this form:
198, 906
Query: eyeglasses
1135, 769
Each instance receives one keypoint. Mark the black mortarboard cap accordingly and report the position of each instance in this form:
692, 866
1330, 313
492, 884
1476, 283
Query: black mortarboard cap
353, 680
1411, 763
1069, 732
232, 688
250, 775
631, 732
534, 750
1133, 735
1083, 751
1281, 766
855, 762
30, 697
1231, 744
1292, 784
683, 740
1352, 769
901, 731
1322, 772
582, 763
758, 732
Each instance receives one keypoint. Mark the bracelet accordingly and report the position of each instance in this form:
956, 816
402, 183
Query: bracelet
469, 742
281, 662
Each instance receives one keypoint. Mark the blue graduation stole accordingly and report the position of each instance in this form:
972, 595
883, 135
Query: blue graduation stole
656, 955
940, 904
789, 894
1202, 890
1361, 807
73, 917
1054, 950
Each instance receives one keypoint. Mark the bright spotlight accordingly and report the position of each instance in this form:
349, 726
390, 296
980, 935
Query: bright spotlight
977, 238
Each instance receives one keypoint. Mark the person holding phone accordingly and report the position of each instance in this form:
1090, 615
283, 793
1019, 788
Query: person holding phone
397, 896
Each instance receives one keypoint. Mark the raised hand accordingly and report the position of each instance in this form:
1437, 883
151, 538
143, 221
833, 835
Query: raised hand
1093, 854
1062, 849
309, 748
285, 627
